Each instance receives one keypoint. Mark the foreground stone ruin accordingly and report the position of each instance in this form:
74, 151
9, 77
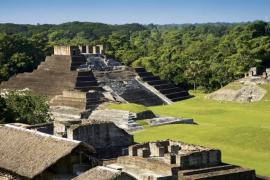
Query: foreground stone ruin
83, 69
123, 159
178, 160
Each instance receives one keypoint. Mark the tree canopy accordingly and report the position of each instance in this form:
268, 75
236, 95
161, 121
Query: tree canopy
23, 106
208, 56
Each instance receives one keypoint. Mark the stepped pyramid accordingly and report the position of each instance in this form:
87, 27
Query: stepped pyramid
50, 78
172, 92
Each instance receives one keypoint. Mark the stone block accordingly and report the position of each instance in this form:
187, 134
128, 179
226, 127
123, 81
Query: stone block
204, 156
195, 160
161, 151
132, 151
170, 158
214, 157
156, 149
144, 152
182, 161
253, 71
264, 75
174, 149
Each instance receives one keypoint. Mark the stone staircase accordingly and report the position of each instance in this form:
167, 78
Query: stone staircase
124, 83
123, 119
50, 78
77, 61
171, 91
86, 81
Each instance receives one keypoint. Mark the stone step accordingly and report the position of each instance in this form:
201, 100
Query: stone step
150, 78
91, 107
164, 86
85, 73
145, 74
77, 63
51, 67
171, 90
180, 98
86, 83
176, 95
57, 62
64, 102
89, 103
139, 69
86, 78
73, 99
50, 78
87, 88
157, 82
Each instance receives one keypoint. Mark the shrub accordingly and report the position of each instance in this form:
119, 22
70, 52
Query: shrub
24, 106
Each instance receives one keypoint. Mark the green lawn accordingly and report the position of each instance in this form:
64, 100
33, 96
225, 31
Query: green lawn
241, 131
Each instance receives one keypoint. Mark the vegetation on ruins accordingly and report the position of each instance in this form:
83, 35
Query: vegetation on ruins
240, 131
23, 106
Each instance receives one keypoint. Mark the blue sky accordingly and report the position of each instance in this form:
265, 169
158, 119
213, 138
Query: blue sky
131, 11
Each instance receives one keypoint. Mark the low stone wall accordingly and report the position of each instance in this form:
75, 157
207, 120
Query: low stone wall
222, 172
44, 127
104, 136
143, 163
185, 156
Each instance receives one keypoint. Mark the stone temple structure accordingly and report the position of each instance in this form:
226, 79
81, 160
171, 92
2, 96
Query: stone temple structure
84, 68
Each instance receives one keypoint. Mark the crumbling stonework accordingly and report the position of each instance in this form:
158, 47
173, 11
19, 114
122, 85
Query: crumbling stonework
124, 84
178, 160
66, 50
186, 155
121, 118
106, 137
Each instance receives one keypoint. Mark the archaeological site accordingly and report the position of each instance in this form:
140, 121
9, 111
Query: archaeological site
86, 140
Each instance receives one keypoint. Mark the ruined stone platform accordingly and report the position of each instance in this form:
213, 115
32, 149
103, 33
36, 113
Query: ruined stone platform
50, 78
123, 119
168, 120
177, 160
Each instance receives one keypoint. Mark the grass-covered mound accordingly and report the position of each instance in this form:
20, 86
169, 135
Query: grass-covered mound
240, 130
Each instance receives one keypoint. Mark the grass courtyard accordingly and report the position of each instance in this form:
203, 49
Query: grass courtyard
241, 131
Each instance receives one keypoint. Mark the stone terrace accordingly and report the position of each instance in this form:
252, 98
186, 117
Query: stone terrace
50, 78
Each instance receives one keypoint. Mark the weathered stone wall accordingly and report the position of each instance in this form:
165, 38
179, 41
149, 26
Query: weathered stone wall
100, 135
144, 163
44, 127
183, 155
62, 50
